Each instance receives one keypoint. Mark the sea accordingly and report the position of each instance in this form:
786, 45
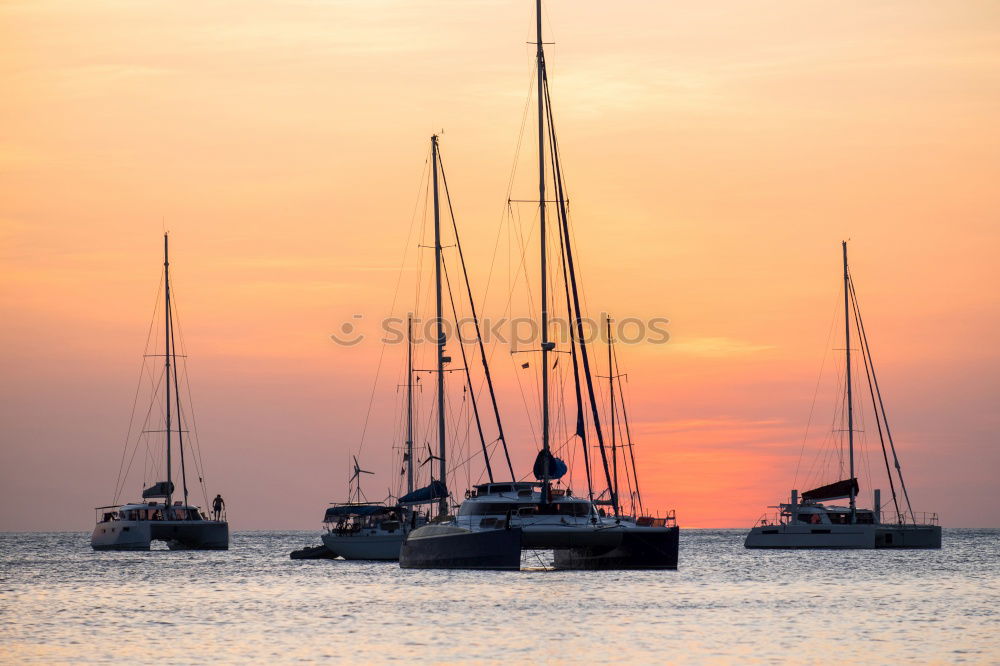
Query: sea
60, 602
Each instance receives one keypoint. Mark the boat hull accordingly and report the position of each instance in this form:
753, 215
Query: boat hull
844, 536
384, 547
634, 548
178, 534
498, 549
555, 536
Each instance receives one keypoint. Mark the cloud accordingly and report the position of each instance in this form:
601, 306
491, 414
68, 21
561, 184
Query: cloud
716, 346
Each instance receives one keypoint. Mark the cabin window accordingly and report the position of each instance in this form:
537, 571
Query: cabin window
487, 508
577, 509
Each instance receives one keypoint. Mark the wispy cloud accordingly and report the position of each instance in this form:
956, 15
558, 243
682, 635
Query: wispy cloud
717, 346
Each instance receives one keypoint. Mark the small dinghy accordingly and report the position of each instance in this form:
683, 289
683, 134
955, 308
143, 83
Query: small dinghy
320, 552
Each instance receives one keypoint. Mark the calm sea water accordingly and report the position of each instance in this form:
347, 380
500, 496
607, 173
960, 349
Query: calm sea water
61, 602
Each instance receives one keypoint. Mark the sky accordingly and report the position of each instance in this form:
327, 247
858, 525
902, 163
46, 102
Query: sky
716, 155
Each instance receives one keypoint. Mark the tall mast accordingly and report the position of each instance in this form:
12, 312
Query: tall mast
177, 401
546, 345
166, 360
611, 394
409, 404
850, 404
443, 474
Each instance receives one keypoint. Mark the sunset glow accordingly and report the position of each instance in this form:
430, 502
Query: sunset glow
716, 155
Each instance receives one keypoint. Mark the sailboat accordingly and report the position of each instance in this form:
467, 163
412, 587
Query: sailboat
376, 531
807, 522
498, 520
158, 517
442, 544
359, 530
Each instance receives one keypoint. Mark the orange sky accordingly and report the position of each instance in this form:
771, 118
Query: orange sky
716, 154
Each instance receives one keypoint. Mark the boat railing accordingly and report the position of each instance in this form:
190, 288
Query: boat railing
769, 520
914, 518
669, 520
107, 513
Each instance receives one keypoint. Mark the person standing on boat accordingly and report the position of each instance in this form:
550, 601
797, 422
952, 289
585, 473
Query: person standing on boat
218, 505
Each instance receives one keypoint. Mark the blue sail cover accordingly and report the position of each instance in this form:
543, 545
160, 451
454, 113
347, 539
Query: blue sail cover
557, 468
435, 491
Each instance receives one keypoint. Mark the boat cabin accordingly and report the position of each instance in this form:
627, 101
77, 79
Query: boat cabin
809, 513
349, 518
493, 504
148, 511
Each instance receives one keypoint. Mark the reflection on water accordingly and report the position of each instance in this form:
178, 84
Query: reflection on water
59, 601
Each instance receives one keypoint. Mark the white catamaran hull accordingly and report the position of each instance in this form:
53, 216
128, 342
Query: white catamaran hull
365, 547
178, 534
844, 536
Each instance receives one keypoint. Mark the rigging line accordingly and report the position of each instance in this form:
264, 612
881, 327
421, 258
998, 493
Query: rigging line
819, 378
472, 456
510, 294
479, 336
510, 186
557, 176
468, 377
196, 439
833, 442
861, 438
581, 428
177, 401
628, 431
151, 459
878, 393
392, 310
149, 410
138, 387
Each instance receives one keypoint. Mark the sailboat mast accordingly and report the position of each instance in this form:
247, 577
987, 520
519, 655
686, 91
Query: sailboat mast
177, 402
546, 345
850, 403
166, 360
409, 404
443, 505
611, 394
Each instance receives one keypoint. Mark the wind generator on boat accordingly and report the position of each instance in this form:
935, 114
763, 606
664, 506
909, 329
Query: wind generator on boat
807, 522
159, 517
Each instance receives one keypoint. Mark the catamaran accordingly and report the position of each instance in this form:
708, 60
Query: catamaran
498, 520
158, 517
807, 522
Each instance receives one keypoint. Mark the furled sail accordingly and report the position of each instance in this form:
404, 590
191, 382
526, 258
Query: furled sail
838, 490
435, 491
159, 489
556, 467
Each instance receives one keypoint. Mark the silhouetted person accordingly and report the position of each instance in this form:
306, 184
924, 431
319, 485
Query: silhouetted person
218, 504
